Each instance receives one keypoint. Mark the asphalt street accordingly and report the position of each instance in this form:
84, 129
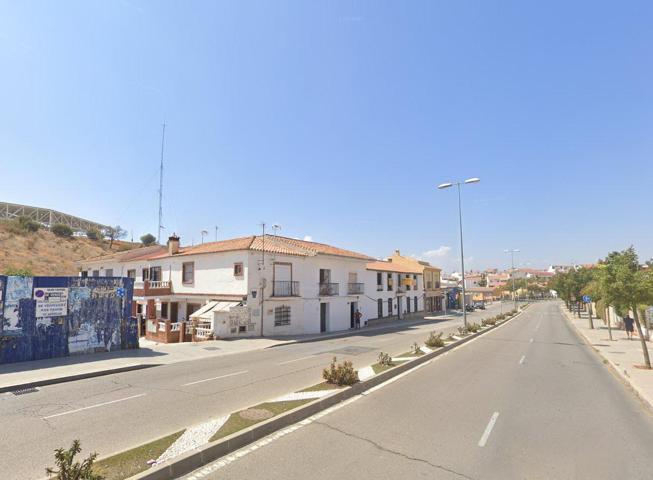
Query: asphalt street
112, 413
529, 400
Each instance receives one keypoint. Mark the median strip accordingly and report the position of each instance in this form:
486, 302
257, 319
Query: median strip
251, 424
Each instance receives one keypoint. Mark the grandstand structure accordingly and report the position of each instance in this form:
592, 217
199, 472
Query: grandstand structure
48, 217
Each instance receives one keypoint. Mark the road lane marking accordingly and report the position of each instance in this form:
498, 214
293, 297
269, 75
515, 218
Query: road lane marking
531, 340
94, 406
215, 378
521, 360
296, 360
488, 429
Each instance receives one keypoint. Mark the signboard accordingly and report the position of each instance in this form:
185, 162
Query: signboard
587, 299
51, 301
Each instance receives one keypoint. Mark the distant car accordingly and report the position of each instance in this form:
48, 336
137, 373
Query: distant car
469, 308
480, 306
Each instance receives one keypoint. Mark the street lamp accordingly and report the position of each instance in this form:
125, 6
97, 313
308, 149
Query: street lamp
512, 274
460, 222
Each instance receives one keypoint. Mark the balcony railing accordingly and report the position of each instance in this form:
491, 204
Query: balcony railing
150, 288
283, 288
379, 288
355, 288
401, 289
328, 289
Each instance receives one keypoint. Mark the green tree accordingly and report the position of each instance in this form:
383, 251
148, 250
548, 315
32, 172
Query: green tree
628, 286
62, 230
27, 224
93, 234
68, 469
148, 239
18, 272
114, 233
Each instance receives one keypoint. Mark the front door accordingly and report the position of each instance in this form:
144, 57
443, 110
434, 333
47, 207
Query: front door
323, 317
399, 307
352, 314
174, 312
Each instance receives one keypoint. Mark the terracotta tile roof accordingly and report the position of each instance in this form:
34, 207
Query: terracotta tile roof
273, 244
381, 266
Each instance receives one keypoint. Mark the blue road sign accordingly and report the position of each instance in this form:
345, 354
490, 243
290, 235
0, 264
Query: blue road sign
587, 298
120, 292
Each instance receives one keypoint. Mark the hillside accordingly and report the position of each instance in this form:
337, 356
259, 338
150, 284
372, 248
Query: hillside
44, 253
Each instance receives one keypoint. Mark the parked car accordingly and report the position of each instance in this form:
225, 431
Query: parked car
469, 307
479, 305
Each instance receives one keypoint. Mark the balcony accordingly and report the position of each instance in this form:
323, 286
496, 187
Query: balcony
355, 288
328, 289
151, 288
401, 289
379, 288
283, 288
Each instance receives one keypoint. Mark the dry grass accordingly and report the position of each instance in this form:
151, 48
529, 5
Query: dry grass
46, 254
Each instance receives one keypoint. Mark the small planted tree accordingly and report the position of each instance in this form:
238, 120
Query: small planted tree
340, 374
148, 239
434, 340
67, 468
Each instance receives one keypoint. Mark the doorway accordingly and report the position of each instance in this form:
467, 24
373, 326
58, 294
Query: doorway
323, 317
399, 302
174, 312
353, 306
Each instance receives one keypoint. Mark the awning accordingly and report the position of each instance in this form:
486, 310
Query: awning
208, 309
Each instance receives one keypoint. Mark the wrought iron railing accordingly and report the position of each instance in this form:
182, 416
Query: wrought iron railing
284, 288
329, 289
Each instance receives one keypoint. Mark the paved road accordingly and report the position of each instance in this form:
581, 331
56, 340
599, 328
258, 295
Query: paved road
116, 412
528, 400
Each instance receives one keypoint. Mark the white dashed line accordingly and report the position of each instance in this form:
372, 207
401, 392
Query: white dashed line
531, 340
521, 360
488, 429
93, 406
215, 378
296, 360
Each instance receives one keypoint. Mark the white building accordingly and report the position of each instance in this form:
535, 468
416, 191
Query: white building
297, 287
392, 291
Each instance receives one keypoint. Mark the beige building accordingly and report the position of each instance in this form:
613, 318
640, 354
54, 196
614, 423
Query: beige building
433, 293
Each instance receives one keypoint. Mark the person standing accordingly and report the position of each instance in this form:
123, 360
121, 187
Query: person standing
629, 325
357, 317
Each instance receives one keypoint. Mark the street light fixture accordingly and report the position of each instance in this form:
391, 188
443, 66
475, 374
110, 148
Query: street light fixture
460, 223
512, 274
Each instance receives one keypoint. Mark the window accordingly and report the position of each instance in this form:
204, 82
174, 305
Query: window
389, 281
96, 273
238, 269
84, 273
131, 273
188, 272
155, 274
108, 272
379, 281
146, 274
379, 306
281, 316
164, 310
415, 302
389, 306
415, 284
325, 275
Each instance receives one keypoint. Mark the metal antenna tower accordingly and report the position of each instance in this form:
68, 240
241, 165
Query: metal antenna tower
163, 137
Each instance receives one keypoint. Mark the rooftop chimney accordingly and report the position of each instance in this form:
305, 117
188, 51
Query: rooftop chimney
397, 252
173, 244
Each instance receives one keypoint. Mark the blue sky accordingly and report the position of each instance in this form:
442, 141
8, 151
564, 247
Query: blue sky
337, 119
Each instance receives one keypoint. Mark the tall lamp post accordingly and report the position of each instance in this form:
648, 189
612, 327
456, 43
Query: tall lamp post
512, 274
460, 223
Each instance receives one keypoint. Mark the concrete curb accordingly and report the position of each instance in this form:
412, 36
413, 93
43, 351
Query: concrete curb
79, 376
616, 370
193, 460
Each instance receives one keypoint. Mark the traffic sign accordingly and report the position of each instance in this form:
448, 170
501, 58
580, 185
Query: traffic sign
120, 292
587, 298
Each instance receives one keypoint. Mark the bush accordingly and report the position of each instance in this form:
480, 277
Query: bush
415, 350
434, 340
462, 331
340, 374
500, 317
148, 239
488, 322
27, 224
61, 230
385, 359
68, 469
18, 272
473, 327
93, 234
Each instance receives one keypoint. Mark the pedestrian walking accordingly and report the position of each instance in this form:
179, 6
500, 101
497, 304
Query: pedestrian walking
629, 325
357, 317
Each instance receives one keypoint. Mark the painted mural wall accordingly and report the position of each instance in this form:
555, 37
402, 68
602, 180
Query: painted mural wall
45, 317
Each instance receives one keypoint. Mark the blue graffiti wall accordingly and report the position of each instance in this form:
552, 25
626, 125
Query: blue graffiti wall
46, 317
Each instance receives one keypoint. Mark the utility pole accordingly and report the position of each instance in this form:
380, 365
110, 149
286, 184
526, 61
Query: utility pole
512, 274
262, 277
216, 233
163, 137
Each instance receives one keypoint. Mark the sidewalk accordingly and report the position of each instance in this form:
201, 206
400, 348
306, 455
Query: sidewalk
14, 376
621, 353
